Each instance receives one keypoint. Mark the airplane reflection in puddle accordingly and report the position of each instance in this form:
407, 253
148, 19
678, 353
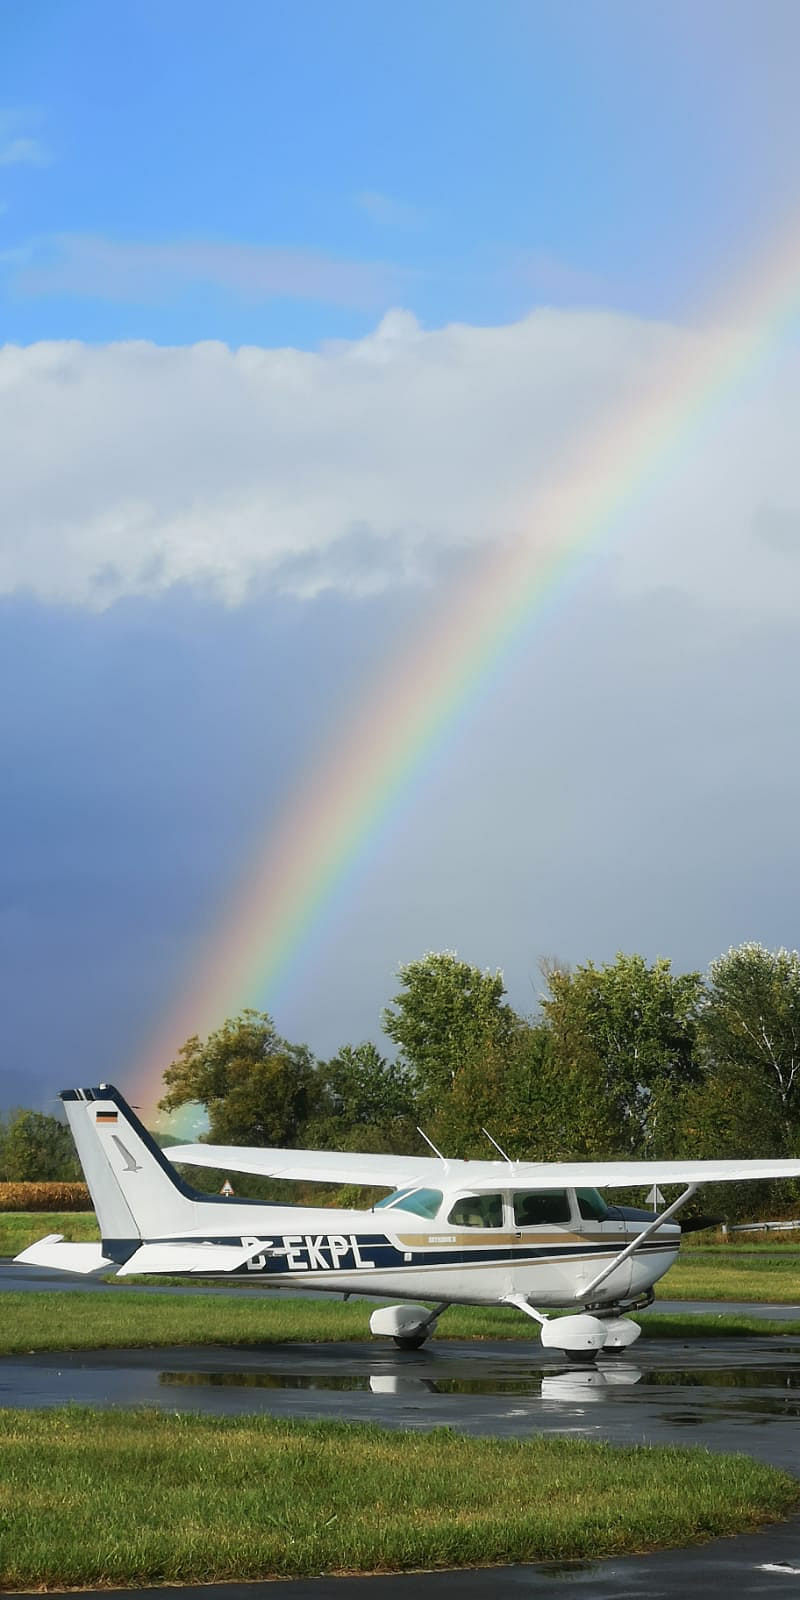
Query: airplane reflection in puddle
588, 1383
573, 1384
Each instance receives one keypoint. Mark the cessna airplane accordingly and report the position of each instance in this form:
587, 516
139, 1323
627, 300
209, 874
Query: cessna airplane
538, 1236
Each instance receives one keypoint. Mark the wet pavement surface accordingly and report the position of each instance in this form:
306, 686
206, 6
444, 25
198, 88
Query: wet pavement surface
742, 1396
727, 1394
33, 1278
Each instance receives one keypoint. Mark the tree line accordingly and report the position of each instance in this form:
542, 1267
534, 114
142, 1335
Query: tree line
625, 1059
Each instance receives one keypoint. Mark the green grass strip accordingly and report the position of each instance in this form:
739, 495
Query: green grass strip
702, 1325
18, 1229
139, 1497
71, 1320
733, 1274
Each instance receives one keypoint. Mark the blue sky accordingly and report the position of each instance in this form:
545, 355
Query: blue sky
468, 159
382, 262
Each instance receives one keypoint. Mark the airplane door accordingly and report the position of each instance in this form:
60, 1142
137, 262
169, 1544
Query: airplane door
608, 1234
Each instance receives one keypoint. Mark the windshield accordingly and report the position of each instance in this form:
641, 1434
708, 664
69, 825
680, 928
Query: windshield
591, 1205
423, 1202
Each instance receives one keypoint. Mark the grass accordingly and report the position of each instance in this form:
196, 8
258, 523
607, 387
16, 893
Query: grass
709, 1238
18, 1229
130, 1497
740, 1272
53, 1320
59, 1320
702, 1325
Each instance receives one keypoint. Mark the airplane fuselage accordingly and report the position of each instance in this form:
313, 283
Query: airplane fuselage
392, 1252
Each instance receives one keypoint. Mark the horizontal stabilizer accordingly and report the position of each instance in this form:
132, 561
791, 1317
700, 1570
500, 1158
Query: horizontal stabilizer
189, 1257
54, 1251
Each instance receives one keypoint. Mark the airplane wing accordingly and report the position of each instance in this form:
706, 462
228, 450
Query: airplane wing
328, 1166
634, 1174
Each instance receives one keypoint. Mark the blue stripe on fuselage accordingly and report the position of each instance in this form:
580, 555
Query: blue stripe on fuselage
331, 1252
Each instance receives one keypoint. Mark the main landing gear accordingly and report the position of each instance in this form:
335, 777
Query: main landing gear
409, 1326
581, 1335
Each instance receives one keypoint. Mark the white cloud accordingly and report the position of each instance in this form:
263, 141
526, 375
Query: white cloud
542, 275
18, 146
388, 212
130, 468
111, 269
23, 152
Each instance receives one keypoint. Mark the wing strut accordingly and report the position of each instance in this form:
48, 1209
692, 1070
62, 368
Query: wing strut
641, 1238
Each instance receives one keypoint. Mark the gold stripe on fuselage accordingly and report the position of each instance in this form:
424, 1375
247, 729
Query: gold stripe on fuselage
484, 1240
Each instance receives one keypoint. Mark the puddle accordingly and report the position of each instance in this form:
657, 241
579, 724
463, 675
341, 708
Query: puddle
576, 1383
261, 1380
728, 1378
397, 1382
619, 1373
778, 1391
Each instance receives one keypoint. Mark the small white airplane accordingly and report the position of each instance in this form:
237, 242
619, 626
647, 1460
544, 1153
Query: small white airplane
535, 1235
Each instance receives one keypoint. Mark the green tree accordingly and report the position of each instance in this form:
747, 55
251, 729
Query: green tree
257, 1088
624, 1035
36, 1148
444, 1015
750, 1043
365, 1102
366, 1088
511, 1090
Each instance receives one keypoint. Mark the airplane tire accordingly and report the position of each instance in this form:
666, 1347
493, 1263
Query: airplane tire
583, 1358
410, 1341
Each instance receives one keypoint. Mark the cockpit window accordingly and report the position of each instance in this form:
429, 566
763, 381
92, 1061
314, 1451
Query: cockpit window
592, 1206
478, 1211
423, 1202
532, 1207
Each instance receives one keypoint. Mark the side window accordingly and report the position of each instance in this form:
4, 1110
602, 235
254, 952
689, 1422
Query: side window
591, 1205
535, 1206
478, 1211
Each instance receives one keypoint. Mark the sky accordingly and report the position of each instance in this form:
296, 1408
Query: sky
301, 310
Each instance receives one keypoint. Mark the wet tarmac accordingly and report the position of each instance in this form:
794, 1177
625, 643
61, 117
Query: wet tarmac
727, 1394
33, 1278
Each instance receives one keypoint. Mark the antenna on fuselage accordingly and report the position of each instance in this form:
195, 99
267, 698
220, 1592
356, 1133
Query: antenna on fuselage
497, 1146
432, 1145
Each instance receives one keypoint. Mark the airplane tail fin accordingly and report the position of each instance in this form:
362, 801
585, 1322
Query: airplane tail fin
135, 1191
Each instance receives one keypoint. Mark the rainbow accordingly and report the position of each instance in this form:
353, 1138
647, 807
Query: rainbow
332, 821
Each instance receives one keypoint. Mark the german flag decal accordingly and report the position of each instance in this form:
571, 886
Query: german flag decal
105, 1116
